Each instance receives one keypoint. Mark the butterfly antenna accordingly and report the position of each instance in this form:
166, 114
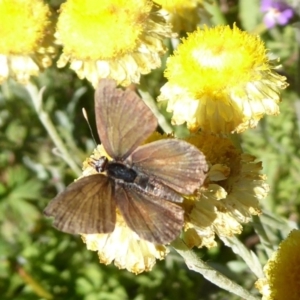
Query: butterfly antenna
88, 122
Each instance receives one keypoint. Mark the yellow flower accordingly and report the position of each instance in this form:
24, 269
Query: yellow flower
230, 195
184, 15
221, 80
26, 41
282, 271
119, 39
123, 246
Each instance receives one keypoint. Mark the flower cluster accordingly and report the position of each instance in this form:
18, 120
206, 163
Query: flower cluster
220, 81
113, 39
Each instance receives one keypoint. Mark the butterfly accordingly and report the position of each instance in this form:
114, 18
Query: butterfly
144, 182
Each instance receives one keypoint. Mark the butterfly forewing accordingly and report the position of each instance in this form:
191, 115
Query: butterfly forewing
175, 163
123, 120
86, 206
153, 219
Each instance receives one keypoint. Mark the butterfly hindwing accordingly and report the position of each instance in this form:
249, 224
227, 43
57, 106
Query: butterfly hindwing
85, 206
175, 163
153, 219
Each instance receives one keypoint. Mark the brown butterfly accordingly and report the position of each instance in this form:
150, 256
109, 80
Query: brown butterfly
141, 181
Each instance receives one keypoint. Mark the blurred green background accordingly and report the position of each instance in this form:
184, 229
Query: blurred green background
38, 262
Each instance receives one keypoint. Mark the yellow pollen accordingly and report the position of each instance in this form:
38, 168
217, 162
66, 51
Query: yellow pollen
214, 60
23, 24
177, 4
101, 30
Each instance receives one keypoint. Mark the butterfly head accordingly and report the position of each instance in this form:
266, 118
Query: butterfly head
100, 164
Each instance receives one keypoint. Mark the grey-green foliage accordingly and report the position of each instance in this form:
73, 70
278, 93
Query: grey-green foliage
38, 262
276, 142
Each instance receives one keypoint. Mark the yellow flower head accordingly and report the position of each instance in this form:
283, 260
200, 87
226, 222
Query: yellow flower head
25, 44
119, 39
123, 246
282, 271
230, 195
221, 80
184, 15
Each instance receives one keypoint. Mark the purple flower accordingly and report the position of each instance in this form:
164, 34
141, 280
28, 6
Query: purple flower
276, 12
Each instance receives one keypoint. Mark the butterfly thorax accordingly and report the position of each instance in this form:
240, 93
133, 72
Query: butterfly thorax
114, 170
120, 171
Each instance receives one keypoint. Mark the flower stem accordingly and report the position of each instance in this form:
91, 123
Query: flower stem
36, 287
194, 263
150, 102
36, 98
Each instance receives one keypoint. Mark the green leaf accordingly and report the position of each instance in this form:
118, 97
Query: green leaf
249, 14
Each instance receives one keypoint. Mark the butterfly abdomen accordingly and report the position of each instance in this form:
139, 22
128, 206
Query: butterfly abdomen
151, 186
